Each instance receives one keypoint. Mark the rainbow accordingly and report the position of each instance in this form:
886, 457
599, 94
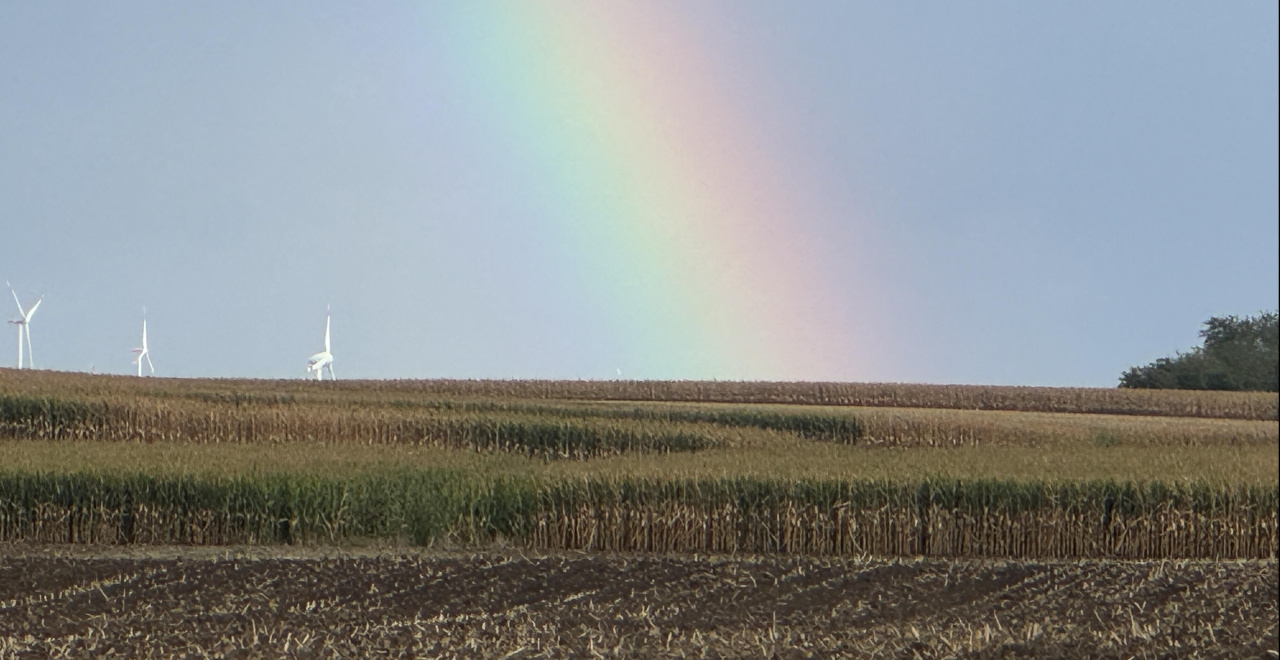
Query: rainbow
690, 231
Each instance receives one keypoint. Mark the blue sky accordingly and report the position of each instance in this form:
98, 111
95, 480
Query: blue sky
1049, 193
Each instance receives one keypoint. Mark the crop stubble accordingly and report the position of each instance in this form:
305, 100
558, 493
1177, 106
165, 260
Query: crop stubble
657, 606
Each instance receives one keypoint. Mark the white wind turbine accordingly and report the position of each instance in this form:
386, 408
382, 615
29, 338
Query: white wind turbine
24, 327
143, 352
324, 358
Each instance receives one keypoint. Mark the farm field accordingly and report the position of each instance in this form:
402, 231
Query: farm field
1234, 405
94, 459
238, 603
568, 518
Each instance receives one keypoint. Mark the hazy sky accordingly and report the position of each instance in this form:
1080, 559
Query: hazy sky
1008, 193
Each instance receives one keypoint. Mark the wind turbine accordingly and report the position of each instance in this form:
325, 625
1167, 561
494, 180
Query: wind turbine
324, 358
24, 326
143, 352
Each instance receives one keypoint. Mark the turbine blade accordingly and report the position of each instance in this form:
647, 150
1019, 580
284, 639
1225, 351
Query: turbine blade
15, 299
150, 366
31, 359
326, 333
32, 312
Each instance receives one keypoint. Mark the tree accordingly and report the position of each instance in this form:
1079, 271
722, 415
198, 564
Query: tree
1238, 354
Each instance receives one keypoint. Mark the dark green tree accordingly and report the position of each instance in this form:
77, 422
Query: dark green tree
1239, 353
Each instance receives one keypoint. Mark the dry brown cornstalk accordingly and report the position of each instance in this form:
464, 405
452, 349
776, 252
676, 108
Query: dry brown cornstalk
1238, 405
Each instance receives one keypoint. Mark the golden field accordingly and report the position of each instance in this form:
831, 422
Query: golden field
790, 467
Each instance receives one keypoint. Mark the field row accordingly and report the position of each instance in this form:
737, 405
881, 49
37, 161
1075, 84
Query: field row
932, 517
796, 459
576, 430
583, 606
1236, 405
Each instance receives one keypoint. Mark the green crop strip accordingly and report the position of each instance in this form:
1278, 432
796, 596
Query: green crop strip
931, 516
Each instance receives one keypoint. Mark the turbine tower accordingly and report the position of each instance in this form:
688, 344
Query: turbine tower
143, 352
324, 358
24, 327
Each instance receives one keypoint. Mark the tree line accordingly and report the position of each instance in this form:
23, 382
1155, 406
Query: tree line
1239, 353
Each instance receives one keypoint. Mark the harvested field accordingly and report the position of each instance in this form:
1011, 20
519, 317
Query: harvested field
168, 602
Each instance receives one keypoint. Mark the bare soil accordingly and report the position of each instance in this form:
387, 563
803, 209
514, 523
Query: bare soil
250, 603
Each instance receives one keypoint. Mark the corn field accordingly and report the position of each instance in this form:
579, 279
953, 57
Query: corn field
708, 468
576, 431
548, 432
1113, 401
930, 518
